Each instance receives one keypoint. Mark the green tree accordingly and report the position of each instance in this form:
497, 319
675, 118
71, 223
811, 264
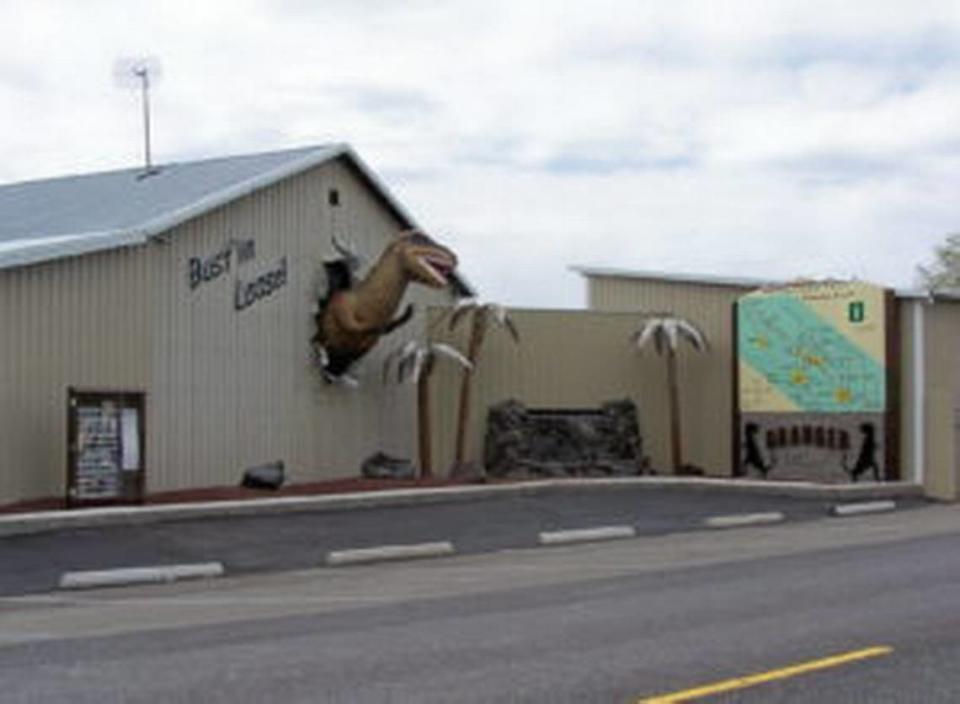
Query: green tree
943, 273
664, 331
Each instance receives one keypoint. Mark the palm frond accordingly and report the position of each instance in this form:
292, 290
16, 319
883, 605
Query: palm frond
647, 331
660, 342
665, 331
460, 310
452, 353
502, 316
670, 330
512, 329
414, 360
408, 362
693, 334
396, 356
471, 306
421, 360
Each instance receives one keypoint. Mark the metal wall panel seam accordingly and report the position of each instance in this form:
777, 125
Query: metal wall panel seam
919, 391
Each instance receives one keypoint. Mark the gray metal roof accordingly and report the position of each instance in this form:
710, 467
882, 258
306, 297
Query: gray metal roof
729, 281
72, 215
57, 217
674, 277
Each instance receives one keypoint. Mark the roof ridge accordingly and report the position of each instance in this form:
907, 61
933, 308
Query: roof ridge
168, 164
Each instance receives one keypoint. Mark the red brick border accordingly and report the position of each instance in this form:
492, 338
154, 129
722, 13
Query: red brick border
236, 493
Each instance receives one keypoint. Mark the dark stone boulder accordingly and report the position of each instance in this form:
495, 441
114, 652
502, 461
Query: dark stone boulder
382, 466
267, 476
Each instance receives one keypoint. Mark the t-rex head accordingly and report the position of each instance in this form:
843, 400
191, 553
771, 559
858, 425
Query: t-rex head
424, 260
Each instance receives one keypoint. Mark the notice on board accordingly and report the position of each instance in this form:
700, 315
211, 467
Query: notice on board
130, 439
99, 448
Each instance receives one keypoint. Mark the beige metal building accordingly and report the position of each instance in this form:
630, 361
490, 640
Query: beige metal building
133, 281
583, 358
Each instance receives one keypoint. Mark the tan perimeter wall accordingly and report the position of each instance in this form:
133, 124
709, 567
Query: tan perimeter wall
579, 359
583, 358
942, 395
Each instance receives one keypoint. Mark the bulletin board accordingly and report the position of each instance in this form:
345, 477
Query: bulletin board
106, 463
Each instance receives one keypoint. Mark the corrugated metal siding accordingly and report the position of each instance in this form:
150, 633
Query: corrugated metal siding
706, 386
81, 322
942, 323
239, 387
226, 389
576, 359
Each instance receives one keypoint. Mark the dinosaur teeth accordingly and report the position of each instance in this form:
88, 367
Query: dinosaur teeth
436, 268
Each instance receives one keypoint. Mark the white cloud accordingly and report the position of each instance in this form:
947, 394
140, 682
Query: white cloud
766, 138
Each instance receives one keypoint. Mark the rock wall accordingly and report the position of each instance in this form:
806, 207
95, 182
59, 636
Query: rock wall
601, 441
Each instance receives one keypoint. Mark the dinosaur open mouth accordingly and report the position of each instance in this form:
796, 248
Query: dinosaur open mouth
437, 268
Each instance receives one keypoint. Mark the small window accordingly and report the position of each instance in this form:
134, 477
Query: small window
333, 197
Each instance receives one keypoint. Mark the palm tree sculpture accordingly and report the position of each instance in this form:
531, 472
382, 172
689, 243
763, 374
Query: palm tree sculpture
666, 330
415, 361
481, 314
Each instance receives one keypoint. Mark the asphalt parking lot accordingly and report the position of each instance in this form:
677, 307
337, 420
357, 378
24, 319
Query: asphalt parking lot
299, 540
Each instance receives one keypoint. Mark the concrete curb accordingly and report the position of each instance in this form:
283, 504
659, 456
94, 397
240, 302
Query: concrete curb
745, 519
127, 576
26, 523
383, 553
863, 507
587, 535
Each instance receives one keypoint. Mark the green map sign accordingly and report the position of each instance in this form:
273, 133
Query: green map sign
813, 348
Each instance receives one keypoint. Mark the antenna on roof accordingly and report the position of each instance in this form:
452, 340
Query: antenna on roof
140, 73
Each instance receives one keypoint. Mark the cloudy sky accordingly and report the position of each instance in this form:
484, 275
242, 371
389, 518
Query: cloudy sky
768, 139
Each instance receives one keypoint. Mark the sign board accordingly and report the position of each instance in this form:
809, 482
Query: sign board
813, 348
105, 447
817, 382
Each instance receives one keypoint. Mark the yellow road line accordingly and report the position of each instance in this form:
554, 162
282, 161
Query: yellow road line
771, 676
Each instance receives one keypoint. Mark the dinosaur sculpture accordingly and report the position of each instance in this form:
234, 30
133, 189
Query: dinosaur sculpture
752, 454
866, 457
353, 316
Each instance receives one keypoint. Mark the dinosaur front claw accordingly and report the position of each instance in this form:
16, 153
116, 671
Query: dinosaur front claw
320, 355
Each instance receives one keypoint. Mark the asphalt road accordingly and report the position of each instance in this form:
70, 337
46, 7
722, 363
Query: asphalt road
601, 623
34, 563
